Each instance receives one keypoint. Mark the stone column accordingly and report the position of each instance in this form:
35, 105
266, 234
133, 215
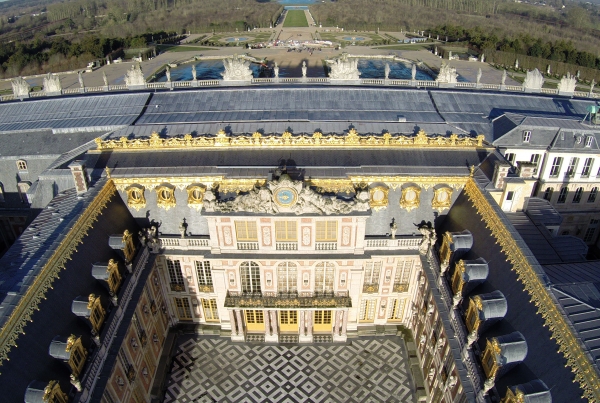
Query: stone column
267, 323
234, 331
304, 327
272, 336
309, 325
240, 327
339, 331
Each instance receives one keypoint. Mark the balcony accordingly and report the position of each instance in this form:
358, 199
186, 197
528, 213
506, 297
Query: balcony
205, 288
325, 245
400, 287
188, 243
287, 300
371, 288
177, 287
286, 245
407, 243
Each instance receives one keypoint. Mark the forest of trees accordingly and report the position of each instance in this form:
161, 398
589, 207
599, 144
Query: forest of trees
50, 35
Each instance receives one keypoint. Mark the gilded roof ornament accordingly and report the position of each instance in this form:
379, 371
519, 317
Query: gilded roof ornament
257, 139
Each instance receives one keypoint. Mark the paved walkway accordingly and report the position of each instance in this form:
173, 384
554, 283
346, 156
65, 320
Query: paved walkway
213, 369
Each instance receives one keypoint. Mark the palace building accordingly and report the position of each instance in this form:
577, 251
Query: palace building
287, 215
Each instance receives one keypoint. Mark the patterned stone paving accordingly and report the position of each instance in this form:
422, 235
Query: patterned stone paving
212, 369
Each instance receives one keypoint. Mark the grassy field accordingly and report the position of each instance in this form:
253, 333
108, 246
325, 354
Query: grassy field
408, 46
295, 18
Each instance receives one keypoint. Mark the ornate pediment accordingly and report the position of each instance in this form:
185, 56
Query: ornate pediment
286, 196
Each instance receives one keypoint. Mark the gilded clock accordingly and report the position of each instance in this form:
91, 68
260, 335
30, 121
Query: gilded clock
286, 197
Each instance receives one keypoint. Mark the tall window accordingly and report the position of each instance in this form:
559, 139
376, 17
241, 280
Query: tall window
204, 273
548, 194
184, 312
246, 231
254, 316
322, 318
210, 309
285, 231
372, 272
592, 196
587, 167
577, 195
326, 231
589, 235
367, 310
526, 136
572, 167
175, 275
250, 275
396, 309
288, 317
562, 196
535, 159
510, 157
324, 277
403, 270
555, 169
588, 141
287, 277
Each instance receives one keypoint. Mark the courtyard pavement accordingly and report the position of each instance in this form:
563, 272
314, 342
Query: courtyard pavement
213, 369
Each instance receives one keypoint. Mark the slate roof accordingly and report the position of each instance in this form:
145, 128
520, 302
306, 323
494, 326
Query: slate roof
543, 360
85, 111
42, 142
20, 266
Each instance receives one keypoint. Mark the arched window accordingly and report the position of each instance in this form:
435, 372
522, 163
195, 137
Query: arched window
548, 194
577, 195
562, 196
592, 196
287, 277
250, 275
324, 277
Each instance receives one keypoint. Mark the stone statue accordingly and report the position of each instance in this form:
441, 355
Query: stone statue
236, 69
168, 73
452, 381
548, 71
533, 80
386, 71
394, 228
262, 200
135, 76
479, 74
450, 55
482, 58
182, 228
194, 73
304, 69
276, 70
413, 73
344, 69
592, 85
429, 239
52, 84
447, 74
80, 78
504, 77
105, 79
567, 83
472, 338
435, 51
517, 64
456, 299
20, 87
75, 382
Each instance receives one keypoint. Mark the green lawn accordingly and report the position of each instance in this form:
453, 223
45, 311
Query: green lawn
295, 18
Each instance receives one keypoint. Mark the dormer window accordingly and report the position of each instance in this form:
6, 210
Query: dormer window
526, 136
588, 141
22, 165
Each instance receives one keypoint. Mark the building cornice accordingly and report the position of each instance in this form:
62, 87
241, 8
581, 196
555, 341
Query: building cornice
29, 301
317, 139
580, 364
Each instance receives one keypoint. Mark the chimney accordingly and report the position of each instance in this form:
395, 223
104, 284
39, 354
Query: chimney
79, 176
501, 169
